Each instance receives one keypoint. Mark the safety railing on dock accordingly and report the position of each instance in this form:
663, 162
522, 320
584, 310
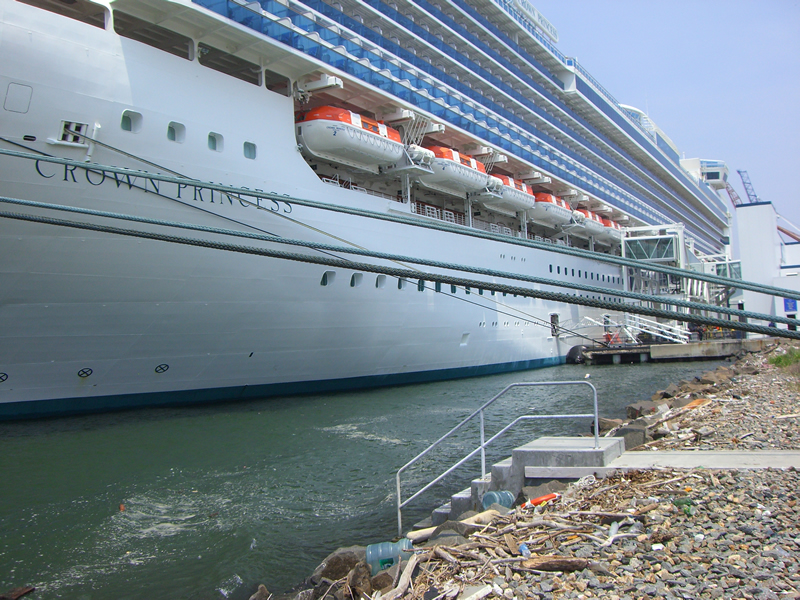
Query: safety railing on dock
674, 333
484, 442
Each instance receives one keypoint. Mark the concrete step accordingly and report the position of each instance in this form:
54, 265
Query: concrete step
544, 458
554, 458
565, 472
440, 515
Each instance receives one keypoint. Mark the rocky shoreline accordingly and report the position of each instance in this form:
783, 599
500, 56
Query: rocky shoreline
659, 533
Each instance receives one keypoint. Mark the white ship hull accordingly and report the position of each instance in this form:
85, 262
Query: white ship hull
91, 320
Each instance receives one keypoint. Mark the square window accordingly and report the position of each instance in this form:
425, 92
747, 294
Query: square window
250, 150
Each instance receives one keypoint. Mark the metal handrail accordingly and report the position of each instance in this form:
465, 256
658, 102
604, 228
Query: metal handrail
484, 443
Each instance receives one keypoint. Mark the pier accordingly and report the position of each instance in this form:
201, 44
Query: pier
702, 350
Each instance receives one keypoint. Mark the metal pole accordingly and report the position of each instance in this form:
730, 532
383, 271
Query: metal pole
399, 508
483, 449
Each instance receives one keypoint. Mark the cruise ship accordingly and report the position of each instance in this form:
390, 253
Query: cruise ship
221, 199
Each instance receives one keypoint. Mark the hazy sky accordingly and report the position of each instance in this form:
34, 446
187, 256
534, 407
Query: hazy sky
720, 77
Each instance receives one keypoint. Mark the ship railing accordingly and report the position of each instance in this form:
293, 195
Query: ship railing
484, 443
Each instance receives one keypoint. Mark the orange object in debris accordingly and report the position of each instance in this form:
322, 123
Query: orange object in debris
121, 508
540, 500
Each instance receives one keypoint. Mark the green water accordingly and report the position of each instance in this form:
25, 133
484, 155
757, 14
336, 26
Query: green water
218, 499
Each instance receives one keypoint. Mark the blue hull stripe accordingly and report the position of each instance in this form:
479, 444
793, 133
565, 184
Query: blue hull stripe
96, 404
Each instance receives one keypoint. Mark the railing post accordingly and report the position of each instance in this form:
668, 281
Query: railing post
399, 508
596, 420
483, 448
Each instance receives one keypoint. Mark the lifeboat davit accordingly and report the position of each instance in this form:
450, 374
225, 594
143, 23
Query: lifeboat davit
345, 137
454, 173
550, 210
592, 225
513, 195
612, 232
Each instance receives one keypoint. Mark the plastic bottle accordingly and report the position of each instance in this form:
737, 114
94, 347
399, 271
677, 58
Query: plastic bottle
503, 498
524, 550
384, 555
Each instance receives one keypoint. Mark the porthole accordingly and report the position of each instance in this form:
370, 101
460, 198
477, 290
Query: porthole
131, 121
551, 268
176, 132
558, 270
380, 282
466, 290
401, 284
452, 289
250, 150
438, 286
421, 285
356, 279
215, 142
327, 278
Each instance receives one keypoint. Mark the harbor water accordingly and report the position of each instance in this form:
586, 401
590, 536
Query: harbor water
207, 502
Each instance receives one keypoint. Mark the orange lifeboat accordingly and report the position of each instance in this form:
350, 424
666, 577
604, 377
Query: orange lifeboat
345, 137
592, 225
612, 232
550, 210
453, 173
513, 196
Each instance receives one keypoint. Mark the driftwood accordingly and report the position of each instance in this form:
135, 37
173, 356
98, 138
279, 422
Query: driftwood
17, 593
555, 563
484, 518
405, 579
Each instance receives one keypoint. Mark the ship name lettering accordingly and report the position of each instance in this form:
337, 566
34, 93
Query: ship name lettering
150, 185
39, 171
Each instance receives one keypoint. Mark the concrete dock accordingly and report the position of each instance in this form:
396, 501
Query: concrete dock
703, 350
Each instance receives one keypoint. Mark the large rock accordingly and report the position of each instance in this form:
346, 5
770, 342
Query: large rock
635, 435
681, 402
385, 579
693, 388
606, 424
671, 391
338, 564
261, 594
640, 409
359, 580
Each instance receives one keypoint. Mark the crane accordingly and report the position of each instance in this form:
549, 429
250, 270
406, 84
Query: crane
748, 187
752, 197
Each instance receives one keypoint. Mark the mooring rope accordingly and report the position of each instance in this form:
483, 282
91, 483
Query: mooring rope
412, 274
412, 260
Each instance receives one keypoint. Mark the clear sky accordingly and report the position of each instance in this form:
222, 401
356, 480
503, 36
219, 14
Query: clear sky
720, 77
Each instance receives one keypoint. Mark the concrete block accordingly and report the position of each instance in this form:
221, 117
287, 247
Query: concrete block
634, 435
536, 474
568, 452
